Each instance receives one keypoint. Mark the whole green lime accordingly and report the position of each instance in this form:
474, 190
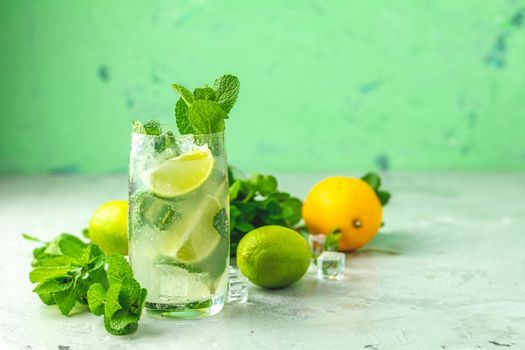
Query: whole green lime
108, 227
273, 256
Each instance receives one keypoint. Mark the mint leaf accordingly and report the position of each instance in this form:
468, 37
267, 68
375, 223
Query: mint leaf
121, 319
372, 179
235, 187
152, 127
186, 95
72, 246
41, 274
96, 298
89, 278
130, 328
95, 259
227, 89
206, 117
383, 196
47, 298
129, 292
244, 226
265, 184
112, 303
53, 261
332, 240
205, 93
65, 300
31, 238
54, 285
118, 269
138, 305
220, 222
181, 117
291, 211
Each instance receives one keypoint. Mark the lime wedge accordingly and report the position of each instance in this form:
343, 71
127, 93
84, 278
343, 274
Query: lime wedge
200, 237
181, 175
194, 237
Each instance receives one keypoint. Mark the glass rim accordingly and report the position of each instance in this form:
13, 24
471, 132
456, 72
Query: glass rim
176, 133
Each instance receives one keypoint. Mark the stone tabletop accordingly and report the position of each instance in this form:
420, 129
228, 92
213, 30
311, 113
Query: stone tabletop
447, 271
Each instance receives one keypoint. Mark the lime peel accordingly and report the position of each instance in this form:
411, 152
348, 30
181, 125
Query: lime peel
193, 168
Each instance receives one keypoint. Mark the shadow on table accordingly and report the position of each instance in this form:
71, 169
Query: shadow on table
392, 243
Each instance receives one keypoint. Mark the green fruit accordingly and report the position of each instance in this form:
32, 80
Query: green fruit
194, 237
108, 227
273, 256
192, 168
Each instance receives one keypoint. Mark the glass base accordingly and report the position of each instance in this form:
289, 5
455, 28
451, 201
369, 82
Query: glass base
196, 309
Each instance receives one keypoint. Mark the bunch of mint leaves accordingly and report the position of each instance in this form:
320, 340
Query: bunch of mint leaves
204, 110
69, 270
256, 202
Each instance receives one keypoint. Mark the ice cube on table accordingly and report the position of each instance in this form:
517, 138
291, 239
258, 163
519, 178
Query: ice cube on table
331, 265
237, 287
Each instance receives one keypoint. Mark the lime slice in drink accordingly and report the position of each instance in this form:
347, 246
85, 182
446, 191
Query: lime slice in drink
194, 237
181, 175
200, 237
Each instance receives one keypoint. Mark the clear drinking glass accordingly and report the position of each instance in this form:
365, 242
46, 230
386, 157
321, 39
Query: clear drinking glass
179, 222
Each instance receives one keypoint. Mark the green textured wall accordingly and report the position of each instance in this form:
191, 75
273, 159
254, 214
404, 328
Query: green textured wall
326, 85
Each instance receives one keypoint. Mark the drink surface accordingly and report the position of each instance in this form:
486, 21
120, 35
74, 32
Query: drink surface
178, 222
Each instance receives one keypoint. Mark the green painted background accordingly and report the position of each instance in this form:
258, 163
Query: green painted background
326, 85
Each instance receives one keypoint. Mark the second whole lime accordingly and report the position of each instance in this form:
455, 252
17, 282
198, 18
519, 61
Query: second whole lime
108, 227
273, 256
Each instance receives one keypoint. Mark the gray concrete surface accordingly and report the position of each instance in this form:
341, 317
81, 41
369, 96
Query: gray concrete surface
446, 272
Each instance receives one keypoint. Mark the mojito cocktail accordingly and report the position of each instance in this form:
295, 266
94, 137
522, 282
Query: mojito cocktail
178, 222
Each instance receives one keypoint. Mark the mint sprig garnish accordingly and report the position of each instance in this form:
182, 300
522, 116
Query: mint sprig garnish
68, 271
227, 89
201, 112
205, 93
206, 117
181, 113
185, 94
204, 110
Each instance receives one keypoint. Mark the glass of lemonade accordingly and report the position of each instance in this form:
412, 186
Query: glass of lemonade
178, 222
